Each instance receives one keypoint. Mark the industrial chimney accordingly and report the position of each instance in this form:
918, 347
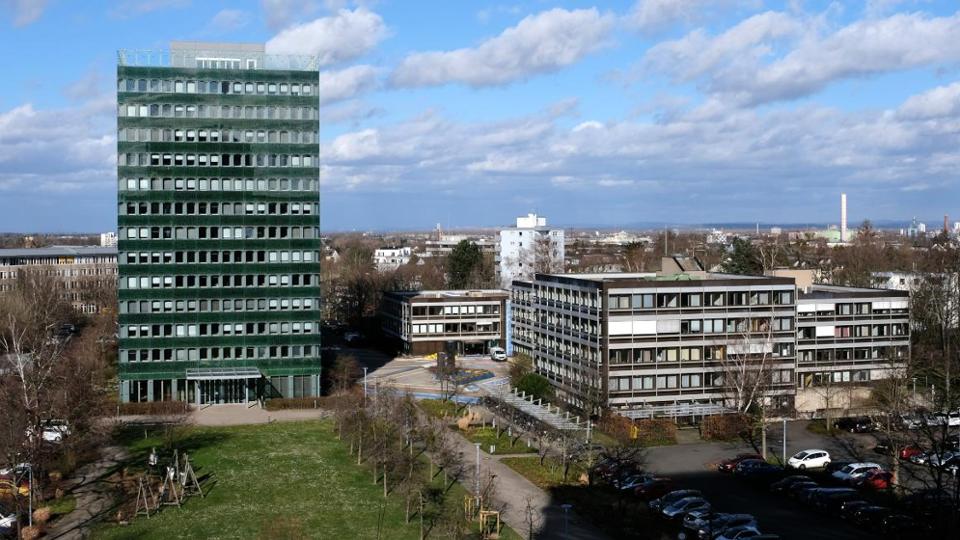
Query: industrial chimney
843, 217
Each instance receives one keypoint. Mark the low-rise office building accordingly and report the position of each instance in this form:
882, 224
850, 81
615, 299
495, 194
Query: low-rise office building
80, 271
679, 343
427, 322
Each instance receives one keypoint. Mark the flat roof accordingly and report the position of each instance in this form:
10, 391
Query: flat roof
827, 292
57, 251
464, 294
649, 279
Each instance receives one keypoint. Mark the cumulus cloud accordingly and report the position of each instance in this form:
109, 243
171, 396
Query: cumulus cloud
539, 43
653, 15
939, 102
24, 12
776, 56
346, 83
346, 35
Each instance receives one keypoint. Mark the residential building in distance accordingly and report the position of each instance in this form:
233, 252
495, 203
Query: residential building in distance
648, 344
847, 337
425, 322
386, 259
80, 270
444, 244
528, 248
218, 210
108, 239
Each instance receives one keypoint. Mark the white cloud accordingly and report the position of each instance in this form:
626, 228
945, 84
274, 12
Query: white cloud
539, 43
24, 11
344, 36
280, 13
652, 15
228, 20
940, 102
346, 83
747, 63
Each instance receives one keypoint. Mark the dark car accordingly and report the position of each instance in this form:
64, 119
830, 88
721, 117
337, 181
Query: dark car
679, 509
653, 488
782, 485
672, 497
835, 466
797, 488
762, 473
728, 465
846, 509
900, 527
825, 500
860, 424
870, 517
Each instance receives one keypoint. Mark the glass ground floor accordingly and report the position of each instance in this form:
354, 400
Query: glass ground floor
213, 388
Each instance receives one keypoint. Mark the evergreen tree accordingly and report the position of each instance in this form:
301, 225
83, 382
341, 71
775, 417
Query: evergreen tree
463, 264
743, 259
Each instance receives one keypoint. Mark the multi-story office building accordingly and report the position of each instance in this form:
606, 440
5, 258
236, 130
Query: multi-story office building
80, 271
656, 344
218, 224
528, 248
663, 344
427, 322
850, 334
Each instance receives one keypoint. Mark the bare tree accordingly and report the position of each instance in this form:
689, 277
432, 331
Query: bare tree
345, 372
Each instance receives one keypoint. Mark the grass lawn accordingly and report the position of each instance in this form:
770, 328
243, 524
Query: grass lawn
63, 505
548, 476
280, 480
439, 408
487, 436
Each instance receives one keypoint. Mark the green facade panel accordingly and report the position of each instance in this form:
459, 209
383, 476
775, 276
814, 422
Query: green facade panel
202, 349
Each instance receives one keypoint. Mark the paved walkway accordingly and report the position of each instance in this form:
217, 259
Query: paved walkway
95, 496
514, 491
234, 414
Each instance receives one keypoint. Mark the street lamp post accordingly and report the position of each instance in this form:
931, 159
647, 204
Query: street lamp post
365, 385
566, 519
784, 462
478, 470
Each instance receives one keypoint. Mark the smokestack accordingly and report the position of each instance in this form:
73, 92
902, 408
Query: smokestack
946, 227
843, 217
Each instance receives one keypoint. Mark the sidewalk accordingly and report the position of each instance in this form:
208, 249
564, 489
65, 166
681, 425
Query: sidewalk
94, 495
234, 414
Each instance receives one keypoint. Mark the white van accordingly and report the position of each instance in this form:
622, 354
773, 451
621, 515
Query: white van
497, 354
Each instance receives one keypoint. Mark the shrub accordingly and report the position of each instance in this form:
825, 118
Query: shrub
31, 533
280, 404
41, 515
646, 432
724, 427
535, 385
155, 408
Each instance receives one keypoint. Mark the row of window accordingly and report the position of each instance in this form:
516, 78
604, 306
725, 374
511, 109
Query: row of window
218, 184
858, 330
144, 159
188, 86
217, 233
218, 305
222, 112
710, 299
683, 354
216, 209
856, 353
825, 378
735, 325
692, 380
219, 257
456, 328
220, 353
422, 311
217, 329
221, 280
261, 136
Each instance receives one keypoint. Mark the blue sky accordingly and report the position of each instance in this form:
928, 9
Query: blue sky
469, 113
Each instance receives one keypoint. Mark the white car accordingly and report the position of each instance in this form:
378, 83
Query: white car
52, 431
809, 459
854, 471
8, 522
497, 354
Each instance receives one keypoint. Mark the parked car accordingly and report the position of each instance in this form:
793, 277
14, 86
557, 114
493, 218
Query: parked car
826, 500
941, 460
782, 485
653, 488
497, 354
860, 424
809, 459
854, 471
877, 480
835, 466
727, 465
681, 508
900, 526
847, 509
951, 419
709, 527
739, 533
760, 471
672, 497
885, 447
8, 521
629, 480
870, 517
797, 488
811, 496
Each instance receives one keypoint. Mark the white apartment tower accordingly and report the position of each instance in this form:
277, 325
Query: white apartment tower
843, 217
528, 248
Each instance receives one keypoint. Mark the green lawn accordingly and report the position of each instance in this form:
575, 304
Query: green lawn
545, 477
487, 436
280, 480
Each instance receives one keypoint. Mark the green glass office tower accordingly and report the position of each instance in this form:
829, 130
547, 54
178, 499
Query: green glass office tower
218, 211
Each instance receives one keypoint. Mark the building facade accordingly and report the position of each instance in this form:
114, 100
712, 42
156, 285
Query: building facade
81, 271
218, 211
678, 344
386, 259
528, 248
654, 345
425, 322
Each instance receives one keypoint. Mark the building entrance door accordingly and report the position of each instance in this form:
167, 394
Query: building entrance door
224, 391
